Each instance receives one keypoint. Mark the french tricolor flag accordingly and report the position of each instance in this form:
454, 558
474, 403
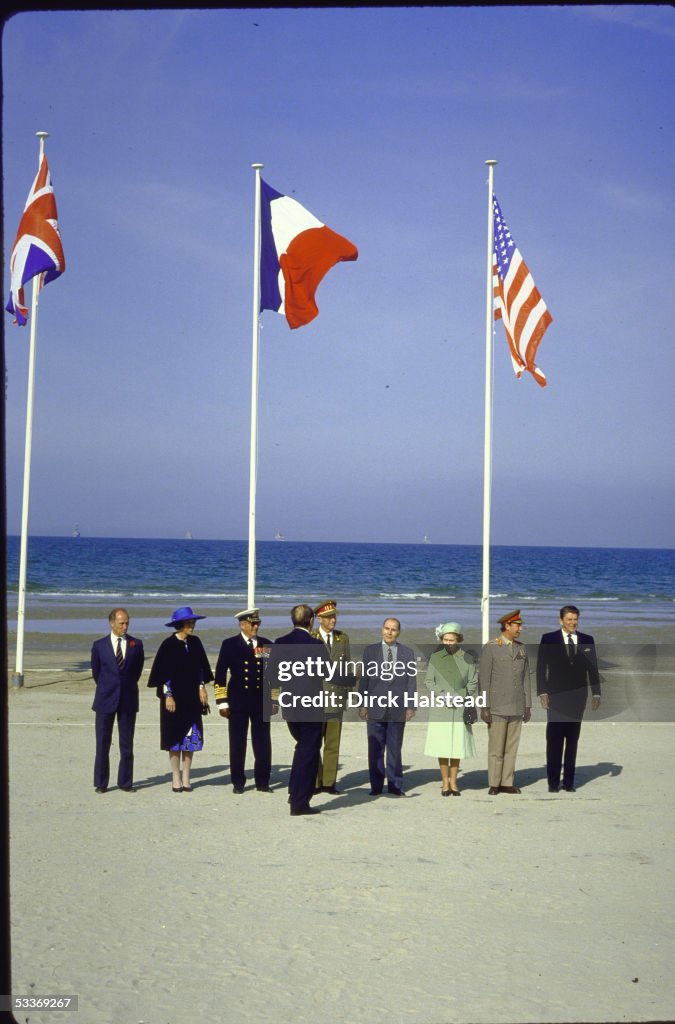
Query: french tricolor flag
297, 250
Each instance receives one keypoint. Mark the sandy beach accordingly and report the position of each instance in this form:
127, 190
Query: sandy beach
159, 908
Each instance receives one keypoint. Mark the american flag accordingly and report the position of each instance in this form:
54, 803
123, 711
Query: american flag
37, 248
517, 300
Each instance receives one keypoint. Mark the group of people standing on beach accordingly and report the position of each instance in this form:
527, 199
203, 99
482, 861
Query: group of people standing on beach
309, 675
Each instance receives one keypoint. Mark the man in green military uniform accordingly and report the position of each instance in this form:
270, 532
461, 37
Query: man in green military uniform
504, 676
336, 642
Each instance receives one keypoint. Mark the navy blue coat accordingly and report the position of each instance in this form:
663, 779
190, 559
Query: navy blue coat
116, 688
565, 680
309, 652
400, 686
244, 690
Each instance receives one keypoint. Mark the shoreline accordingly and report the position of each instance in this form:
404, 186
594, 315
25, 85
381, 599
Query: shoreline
607, 619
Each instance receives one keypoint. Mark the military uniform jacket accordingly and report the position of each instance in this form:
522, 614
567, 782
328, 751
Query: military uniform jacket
504, 675
339, 651
239, 681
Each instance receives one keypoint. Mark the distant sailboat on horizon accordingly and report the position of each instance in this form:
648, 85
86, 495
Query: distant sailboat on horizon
279, 536
425, 539
76, 531
188, 535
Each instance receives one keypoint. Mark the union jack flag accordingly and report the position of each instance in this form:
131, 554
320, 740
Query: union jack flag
517, 300
37, 248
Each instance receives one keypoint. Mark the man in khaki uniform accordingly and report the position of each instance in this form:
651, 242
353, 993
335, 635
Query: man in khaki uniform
504, 675
336, 642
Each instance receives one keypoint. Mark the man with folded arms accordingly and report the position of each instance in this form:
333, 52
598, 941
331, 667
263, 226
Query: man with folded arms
504, 676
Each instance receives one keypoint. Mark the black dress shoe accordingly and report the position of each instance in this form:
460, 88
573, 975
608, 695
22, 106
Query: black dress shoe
513, 790
297, 811
569, 789
331, 789
376, 792
456, 792
493, 791
237, 789
395, 791
128, 789
101, 789
554, 789
176, 789
264, 789
446, 792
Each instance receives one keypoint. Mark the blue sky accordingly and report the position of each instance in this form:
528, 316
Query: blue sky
371, 418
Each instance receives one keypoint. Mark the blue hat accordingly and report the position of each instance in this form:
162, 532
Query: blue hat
181, 614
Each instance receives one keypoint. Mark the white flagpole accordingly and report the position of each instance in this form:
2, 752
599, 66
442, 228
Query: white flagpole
23, 553
253, 470
487, 456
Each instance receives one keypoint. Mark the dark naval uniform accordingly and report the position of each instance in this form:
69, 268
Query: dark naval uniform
239, 687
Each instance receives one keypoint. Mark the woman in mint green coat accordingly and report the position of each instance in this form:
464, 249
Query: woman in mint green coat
452, 672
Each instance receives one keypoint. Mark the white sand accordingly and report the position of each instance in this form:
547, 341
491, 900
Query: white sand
165, 909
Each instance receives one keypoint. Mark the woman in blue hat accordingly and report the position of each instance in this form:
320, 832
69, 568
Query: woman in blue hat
179, 674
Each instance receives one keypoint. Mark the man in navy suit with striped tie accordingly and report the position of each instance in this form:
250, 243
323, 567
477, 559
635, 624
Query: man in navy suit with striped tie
116, 665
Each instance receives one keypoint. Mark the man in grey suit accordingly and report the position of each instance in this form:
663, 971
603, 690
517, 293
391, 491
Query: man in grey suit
504, 676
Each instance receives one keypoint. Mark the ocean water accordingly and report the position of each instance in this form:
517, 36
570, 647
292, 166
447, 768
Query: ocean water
425, 580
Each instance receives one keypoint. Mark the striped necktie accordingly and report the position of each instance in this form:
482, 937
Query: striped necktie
119, 657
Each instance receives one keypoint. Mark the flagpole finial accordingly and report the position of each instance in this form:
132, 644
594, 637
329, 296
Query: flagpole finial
257, 167
491, 163
41, 136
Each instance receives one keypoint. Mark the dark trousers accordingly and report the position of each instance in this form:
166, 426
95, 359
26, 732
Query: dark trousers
561, 735
261, 741
381, 736
307, 736
126, 723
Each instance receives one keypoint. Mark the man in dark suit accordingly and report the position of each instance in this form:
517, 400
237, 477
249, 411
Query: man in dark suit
566, 666
116, 665
387, 686
240, 697
296, 671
